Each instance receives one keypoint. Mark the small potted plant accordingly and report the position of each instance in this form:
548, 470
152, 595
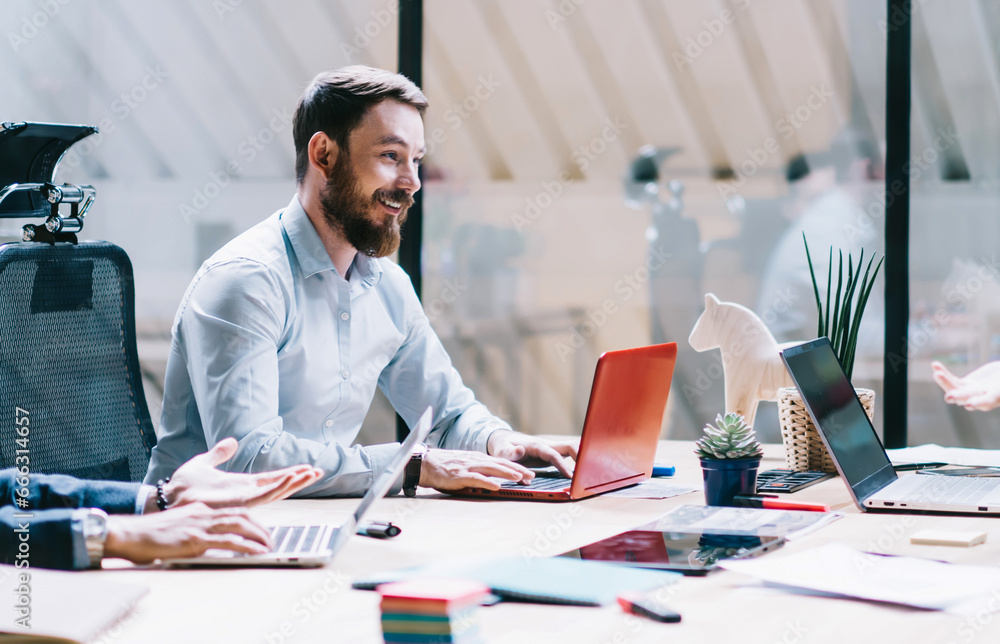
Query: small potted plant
730, 455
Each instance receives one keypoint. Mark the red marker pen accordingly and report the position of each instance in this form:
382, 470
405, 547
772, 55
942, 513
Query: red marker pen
774, 503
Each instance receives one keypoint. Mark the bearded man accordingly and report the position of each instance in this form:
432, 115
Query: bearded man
285, 332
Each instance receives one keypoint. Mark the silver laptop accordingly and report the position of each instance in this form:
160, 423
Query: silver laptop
858, 453
315, 545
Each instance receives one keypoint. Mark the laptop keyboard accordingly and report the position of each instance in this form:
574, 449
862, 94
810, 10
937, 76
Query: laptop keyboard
299, 538
538, 483
952, 490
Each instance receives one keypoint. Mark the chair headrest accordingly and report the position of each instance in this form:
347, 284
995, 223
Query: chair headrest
29, 154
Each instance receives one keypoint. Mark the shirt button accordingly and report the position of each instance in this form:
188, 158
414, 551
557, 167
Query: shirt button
329, 423
345, 374
345, 316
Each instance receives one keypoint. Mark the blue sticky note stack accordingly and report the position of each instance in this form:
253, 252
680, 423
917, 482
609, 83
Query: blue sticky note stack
425, 611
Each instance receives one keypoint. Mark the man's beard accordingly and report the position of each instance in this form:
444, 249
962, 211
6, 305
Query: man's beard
349, 211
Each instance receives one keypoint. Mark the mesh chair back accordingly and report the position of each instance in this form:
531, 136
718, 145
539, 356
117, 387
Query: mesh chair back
68, 359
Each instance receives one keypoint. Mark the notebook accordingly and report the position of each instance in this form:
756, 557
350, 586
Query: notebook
620, 431
556, 580
315, 545
858, 453
61, 606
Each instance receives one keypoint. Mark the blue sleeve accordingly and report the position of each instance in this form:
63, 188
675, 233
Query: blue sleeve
46, 491
45, 539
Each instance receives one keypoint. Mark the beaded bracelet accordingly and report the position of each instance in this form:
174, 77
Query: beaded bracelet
161, 496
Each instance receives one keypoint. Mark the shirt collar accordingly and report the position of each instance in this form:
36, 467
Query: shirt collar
309, 249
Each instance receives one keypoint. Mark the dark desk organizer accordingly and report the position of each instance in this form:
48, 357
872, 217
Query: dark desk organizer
789, 480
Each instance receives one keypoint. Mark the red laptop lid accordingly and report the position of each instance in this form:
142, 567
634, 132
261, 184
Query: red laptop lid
624, 417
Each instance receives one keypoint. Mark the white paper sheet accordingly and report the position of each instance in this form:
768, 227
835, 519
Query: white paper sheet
932, 453
910, 581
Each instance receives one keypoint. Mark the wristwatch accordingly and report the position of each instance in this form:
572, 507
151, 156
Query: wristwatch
411, 475
95, 533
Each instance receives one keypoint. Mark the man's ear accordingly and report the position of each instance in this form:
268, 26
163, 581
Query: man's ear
323, 153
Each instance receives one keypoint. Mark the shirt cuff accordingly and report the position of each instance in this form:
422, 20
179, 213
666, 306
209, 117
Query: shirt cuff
379, 457
81, 560
143, 497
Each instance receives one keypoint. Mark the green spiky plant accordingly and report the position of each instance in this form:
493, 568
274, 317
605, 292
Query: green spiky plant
730, 438
841, 318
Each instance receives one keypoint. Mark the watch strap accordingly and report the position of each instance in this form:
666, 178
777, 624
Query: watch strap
411, 473
95, 534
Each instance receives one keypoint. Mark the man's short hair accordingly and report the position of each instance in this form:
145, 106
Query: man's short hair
336, 101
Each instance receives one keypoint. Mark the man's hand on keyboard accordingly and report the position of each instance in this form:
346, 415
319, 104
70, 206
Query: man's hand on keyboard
451, 469
533, 451
184, 532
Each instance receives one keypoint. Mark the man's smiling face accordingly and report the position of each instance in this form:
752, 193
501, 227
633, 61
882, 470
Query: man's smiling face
372, 183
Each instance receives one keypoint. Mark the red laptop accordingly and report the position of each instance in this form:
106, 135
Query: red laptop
620, 432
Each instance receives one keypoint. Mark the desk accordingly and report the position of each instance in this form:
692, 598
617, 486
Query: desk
318, 605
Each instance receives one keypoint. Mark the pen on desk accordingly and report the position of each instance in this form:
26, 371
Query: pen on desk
663, 470
774, 503
905, 467
379, 529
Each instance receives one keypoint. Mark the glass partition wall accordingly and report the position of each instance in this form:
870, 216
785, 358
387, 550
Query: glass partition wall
594, 169
954, 201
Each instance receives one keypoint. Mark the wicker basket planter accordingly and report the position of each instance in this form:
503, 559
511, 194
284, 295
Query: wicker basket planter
804, 449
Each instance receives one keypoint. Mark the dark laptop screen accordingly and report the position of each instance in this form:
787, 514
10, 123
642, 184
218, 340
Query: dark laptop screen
838, 414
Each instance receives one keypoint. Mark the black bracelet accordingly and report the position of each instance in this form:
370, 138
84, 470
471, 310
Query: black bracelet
161, 496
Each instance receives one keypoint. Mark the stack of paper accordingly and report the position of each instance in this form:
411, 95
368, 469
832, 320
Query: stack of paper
835, 569
431, 610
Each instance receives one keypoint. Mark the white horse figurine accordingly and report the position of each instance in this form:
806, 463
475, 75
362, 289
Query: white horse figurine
751, 365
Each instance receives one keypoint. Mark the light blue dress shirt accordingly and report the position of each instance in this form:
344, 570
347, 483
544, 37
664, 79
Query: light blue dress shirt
275, 348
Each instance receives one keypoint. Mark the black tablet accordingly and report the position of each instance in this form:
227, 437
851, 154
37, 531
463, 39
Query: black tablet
689, 553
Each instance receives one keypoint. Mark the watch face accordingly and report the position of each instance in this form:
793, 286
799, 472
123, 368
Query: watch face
95, 524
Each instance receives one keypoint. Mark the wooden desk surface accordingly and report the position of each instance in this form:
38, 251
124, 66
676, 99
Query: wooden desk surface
282, 606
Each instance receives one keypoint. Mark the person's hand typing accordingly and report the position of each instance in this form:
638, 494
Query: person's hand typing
184, 532
533, 451
450, 469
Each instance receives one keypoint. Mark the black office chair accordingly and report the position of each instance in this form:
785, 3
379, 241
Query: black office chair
68, 359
